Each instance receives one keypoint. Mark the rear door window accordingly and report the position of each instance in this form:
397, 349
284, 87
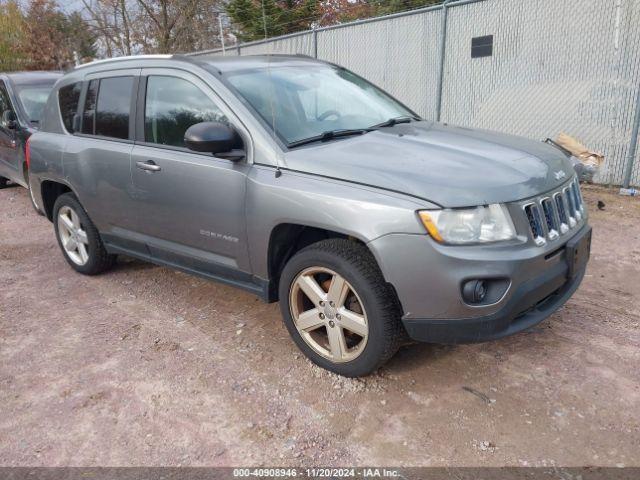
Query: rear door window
172, 106
107, 109
68, 98
114, 106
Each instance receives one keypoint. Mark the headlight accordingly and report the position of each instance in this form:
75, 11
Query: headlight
470, 225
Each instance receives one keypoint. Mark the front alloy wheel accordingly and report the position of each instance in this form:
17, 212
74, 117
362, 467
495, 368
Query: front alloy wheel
338, 308
328, 314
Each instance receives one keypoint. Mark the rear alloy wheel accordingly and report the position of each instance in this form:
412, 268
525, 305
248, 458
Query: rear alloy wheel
338, 308
329, 318
78, 237
73, 238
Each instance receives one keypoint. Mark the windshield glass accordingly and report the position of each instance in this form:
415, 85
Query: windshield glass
32, 98
304, 102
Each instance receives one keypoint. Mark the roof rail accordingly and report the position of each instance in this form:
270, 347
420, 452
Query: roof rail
282, 55
127, 57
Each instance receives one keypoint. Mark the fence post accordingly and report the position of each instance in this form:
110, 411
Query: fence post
315, 42
633, 146
443, 40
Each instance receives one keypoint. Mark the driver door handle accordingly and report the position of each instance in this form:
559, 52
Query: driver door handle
149, 166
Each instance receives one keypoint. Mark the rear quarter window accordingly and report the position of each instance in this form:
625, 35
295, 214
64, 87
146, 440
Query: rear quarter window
68, 99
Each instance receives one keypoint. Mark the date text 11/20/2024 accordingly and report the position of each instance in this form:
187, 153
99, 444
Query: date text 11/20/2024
317, 472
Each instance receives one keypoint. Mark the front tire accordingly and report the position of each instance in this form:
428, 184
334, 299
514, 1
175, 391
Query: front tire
78, 237
4, 183
338, 309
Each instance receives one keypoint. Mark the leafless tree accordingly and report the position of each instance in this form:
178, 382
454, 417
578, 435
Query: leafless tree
127, 27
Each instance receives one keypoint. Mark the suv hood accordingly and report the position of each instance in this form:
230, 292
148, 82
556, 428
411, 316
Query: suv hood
446, 165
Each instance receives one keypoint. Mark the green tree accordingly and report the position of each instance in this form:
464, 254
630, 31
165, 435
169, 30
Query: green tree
341, 11
80, 38
12, 36
393, 6
258, 19
45, 40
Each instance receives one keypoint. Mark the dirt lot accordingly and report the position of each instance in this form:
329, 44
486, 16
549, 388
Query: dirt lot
146, 366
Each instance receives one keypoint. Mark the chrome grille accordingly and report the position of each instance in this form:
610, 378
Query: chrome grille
535, 223
552, 216
568, 195
576, 187
560, 208
577, 201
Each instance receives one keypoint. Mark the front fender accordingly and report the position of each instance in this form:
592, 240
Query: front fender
365, 213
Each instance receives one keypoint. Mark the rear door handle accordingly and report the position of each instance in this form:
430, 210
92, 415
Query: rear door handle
149, 166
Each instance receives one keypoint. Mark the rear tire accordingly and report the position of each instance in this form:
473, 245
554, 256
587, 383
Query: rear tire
338, 309
78, 237
3, 182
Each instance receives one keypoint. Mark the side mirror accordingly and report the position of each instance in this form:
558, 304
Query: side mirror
9, 120
217, 138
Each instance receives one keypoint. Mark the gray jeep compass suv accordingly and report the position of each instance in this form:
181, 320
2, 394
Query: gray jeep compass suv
301, 182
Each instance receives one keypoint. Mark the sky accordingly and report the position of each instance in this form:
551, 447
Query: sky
70, 5
67, 6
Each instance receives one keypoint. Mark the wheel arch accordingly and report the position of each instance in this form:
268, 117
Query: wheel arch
50, 191
286, 239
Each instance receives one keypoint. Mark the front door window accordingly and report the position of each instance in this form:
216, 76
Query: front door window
172, 106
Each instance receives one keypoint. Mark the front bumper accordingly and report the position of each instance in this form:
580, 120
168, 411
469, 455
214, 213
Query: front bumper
523, 311
428, 276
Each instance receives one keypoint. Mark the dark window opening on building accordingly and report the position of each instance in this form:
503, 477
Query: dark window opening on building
482, 46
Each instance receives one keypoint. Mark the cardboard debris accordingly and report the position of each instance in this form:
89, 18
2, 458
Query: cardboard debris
578, 150
585, 162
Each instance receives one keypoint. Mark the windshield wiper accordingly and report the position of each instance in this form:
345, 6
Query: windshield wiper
328, 135
391, 122
331, 134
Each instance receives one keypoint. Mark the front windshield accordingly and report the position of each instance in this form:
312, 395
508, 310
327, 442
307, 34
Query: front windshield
32, 98
304, 102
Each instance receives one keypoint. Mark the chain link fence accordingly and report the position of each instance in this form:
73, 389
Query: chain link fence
568, 66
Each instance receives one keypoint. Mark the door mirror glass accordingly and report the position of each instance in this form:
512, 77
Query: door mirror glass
216, 138
9, 120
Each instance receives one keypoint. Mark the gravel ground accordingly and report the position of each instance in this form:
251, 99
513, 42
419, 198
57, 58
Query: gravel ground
147, 366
